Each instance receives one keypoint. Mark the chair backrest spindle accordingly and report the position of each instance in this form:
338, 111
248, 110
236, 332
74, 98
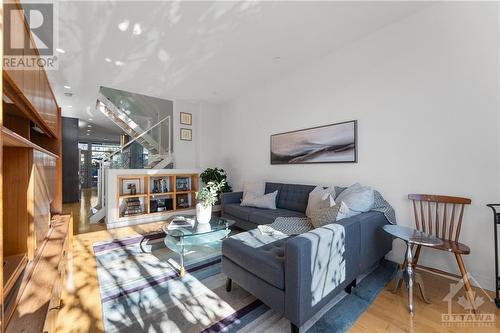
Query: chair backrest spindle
422, 216
444, 228
452, 223
417, 221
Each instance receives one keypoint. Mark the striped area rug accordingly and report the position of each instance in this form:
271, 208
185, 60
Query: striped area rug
141, 292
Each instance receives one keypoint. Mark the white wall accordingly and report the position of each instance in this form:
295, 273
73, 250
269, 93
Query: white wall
186, 153
202, 151
425, 93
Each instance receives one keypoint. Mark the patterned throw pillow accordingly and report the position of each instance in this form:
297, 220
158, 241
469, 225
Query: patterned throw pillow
324, 216
320, 198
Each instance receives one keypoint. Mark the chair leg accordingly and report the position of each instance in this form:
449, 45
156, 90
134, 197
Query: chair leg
229, 284
293, 328
468, 288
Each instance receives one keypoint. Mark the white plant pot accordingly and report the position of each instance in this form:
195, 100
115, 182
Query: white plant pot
203, 214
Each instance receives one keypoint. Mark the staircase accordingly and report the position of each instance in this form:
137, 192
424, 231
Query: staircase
158, 158
155, 150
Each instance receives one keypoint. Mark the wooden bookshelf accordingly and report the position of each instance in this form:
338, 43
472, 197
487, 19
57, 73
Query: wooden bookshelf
180, 193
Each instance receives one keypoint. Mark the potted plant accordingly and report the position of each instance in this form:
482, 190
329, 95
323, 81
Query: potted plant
207, 197
216, 175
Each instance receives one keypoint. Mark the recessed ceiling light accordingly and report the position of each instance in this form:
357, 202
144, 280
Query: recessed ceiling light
67, 87
69, 106
88, 133
119, 63
123, 26
107, 59
89, 125
137, 29
105, 139
90, 119
60, 50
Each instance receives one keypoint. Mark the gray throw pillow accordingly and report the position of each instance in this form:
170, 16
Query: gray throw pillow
357, 197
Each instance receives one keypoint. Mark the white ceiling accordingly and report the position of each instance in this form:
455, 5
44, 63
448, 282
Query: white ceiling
201, 51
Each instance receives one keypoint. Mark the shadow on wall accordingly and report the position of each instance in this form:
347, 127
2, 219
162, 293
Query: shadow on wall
144, 54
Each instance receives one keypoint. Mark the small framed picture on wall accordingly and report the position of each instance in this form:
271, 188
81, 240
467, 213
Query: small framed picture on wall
186, 118
186, 134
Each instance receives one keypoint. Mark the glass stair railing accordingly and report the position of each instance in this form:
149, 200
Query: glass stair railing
138, 153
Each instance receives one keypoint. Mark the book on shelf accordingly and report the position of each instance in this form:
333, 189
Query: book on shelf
183, 184
181, 222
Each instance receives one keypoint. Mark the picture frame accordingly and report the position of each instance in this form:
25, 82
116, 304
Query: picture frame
186, 118
129, 184
186, 134
333, 143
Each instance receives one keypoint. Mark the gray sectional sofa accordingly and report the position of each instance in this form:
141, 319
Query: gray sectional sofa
298, 275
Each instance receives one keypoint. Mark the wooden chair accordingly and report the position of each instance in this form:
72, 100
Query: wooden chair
442, 217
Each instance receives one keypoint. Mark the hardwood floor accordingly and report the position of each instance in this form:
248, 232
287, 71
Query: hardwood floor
81, 212
82, 312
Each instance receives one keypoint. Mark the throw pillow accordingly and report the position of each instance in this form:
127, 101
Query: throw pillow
324, 216
267, 201
320, 198
255, 188
358, 198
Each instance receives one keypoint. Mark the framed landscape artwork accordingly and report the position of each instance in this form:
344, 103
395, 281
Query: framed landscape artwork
335, 143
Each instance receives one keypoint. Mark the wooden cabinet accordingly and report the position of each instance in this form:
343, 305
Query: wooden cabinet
33, 242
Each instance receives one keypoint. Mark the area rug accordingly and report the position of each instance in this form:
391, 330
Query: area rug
141, 292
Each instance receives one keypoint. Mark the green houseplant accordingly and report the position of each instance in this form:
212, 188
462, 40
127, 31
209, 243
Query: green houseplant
216, 175
207, 197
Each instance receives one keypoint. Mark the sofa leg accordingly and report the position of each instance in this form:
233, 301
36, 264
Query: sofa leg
349, 287
293, 328
229, 284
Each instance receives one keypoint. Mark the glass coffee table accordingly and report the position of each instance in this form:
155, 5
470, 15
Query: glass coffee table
181, 239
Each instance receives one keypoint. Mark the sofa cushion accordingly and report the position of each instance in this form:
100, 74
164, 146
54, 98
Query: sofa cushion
266, 216
239, 211
261, 255
294, 197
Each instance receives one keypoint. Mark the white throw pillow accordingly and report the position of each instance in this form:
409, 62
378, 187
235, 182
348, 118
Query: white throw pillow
320, 198
357, 197
255, 188
267, 201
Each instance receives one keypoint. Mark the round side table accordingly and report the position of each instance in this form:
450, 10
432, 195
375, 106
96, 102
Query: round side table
411, 237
